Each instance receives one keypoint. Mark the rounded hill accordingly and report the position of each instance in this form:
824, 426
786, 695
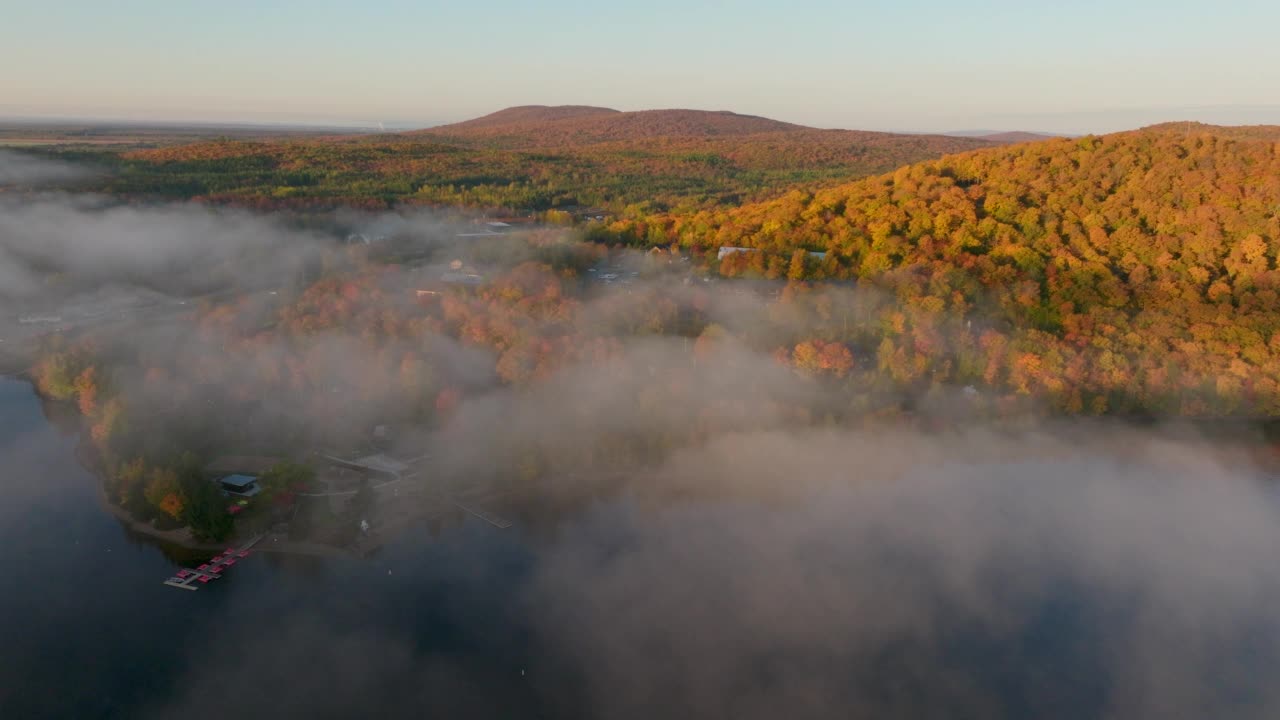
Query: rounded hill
521, 115
551, 126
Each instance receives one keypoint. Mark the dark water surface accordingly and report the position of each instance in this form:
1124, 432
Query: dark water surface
90, 631
1073, 589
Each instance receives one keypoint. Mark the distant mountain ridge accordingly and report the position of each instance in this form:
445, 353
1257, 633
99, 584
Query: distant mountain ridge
521, 115
1004, 137
538, 157
1236, 132
553, 125
1017, 136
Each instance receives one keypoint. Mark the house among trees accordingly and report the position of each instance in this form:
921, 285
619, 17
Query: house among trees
240, 485
726, 251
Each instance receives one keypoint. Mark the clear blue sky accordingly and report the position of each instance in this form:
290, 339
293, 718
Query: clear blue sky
1079, 65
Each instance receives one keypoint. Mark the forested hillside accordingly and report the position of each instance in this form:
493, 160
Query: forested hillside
1242, 132
528, 159
1132, 274
1142, 262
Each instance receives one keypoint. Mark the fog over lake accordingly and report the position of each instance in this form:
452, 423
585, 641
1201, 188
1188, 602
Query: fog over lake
1085, 583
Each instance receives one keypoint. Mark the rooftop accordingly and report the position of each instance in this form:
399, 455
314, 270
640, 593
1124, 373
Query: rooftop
238, 481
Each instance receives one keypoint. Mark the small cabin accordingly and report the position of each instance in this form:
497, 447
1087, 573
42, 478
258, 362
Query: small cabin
727, 250
240, 485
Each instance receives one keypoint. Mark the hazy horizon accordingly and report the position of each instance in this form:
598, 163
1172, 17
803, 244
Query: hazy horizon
922, 66
1067, 123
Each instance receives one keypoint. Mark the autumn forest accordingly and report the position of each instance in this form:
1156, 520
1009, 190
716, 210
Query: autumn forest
875, 277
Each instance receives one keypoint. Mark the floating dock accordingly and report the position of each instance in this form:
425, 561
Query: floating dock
193, 578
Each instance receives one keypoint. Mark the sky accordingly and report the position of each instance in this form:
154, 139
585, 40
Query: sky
911, 65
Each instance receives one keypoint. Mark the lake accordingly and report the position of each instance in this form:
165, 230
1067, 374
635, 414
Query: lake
90, 631
958, 594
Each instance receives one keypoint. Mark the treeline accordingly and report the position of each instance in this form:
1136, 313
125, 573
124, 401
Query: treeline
632, 177
166, 488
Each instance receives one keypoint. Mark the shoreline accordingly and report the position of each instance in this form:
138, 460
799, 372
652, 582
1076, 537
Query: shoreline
177, 537
182, 538
13, 367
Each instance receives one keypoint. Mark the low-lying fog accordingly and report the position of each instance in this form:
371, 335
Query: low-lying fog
872, 575
1070, 570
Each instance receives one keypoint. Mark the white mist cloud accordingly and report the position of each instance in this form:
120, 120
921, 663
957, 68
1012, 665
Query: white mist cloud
899, 575
1083, 572
746, 568
20, 169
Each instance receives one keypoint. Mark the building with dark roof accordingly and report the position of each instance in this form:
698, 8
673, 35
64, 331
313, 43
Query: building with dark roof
240, 485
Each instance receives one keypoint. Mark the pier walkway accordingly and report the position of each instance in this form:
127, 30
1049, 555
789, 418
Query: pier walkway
187, 578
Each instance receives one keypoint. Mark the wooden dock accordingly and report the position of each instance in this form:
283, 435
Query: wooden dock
485, 515
193, 578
